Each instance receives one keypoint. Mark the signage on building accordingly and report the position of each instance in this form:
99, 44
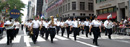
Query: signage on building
105, 5
14, 13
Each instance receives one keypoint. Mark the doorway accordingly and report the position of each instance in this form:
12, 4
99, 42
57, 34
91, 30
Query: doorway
123, 13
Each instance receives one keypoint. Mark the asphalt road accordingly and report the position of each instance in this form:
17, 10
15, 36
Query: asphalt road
22, 40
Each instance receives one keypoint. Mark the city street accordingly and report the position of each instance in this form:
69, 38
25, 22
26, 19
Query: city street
22, 40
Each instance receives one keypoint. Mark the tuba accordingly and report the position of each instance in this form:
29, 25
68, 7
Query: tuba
52, 20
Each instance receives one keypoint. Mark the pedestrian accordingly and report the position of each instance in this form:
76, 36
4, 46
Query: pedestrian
86, 24
27, 26
46, 29
68, 23
82, 27
42, 28
58, 26
35, 27
1, 28
17, 25
22, 25
109, 26
52, 31
75, 26
9, 30
62, 24
96, 30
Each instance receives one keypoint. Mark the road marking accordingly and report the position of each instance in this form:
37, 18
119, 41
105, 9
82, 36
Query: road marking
16, 40
3, 41
86, 44
26, 40
61, 38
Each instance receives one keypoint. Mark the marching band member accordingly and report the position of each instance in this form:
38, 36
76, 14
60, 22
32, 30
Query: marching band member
87, 23
42, 28
17, 25
62, 24
35, 27
75, 27
10, 33
96, 30
27, 27
58, 26
82, 26
46, 29
108, 25
52, 25
68, 23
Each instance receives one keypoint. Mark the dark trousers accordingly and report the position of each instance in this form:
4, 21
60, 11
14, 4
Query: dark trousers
75, 32
9, 36
109, 33
68, 31
96, 33
52, 33
87, 30
62, 31
22, 27
82, 30
106, 31
47, 33
16, 32
57, 29
35, 34
42, 31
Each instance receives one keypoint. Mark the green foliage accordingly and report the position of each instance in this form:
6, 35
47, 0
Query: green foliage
12, 4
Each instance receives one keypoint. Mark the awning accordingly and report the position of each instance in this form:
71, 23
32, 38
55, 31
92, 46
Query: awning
104, 16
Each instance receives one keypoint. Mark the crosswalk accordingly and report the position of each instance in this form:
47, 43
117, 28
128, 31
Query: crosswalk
57, 38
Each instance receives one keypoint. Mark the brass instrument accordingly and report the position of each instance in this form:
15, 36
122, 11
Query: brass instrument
41, 26
31, 30
78, 23
52, 20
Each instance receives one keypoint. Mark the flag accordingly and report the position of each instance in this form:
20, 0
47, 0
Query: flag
109, 16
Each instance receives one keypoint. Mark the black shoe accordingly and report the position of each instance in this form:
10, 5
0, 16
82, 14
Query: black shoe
97, 45
34, 42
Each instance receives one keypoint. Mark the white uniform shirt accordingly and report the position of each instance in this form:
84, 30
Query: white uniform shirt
95, 23
109, 25
75, 24
58, 23
62, 23
30, 24
8, 23
46, 24
86, 23
42, 22
36, 23
51, 25
68, 22
82, 23
17, 24
105, 23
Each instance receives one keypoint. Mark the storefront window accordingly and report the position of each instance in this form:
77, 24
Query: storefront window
100, 11
115, 9
105, 10
110, 10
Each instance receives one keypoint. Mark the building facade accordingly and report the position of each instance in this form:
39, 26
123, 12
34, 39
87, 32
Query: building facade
71, 8
39, 7
118, 8
31, 9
